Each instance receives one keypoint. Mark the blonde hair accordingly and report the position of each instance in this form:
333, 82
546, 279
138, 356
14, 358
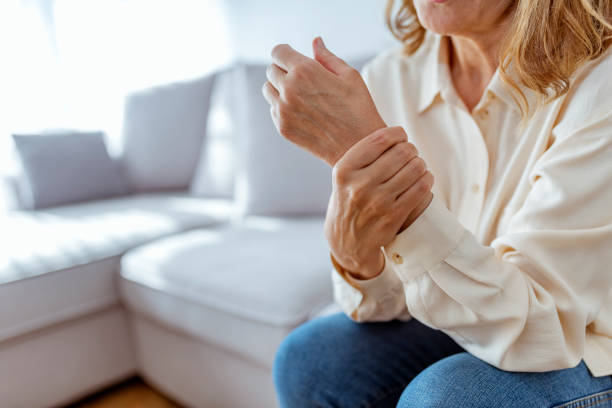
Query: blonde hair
548, 40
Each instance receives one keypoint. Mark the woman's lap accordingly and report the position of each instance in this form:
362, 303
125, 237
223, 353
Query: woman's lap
335, 362
463, 380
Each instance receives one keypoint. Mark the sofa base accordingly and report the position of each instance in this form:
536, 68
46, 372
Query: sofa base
197, 374
62, 363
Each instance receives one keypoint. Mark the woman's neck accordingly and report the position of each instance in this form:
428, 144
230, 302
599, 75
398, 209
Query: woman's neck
473, 59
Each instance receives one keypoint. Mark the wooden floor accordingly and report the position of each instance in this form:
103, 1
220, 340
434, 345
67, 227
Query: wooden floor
133, 393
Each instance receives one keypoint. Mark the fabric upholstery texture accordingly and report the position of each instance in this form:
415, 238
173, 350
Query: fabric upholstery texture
163, 131
64, 168
215, 172
39, 242
196, 373
259, 278
32, 304
274, 177
56, 365
9, 193
251, 281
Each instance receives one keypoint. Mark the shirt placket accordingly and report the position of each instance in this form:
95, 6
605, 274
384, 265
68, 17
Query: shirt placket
482, 115
475, 124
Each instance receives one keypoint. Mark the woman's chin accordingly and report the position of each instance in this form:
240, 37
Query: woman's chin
441, 29
439, 17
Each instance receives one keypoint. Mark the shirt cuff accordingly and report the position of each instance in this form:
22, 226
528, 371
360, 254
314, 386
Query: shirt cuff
351, 292
428, 241
376, 286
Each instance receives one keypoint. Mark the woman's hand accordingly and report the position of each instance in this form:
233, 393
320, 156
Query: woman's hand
380, 186
322, 105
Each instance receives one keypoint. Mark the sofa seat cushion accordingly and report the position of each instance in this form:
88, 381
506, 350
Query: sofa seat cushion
242, 287
39, 242
62, 263
35, 303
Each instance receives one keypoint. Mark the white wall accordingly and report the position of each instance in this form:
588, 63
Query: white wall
68, 63
350, 28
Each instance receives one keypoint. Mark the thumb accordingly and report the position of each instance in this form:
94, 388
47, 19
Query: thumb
326, 58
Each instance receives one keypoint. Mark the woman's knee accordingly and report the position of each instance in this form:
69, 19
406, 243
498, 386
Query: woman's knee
303, 367
454, 381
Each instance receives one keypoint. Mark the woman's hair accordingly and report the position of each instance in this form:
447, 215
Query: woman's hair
548, 40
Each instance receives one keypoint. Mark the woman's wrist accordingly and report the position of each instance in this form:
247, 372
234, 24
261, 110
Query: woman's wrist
369, 269
416, 213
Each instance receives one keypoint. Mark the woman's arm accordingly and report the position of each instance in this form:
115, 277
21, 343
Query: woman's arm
321, 104
377, 184
523, 303
324, 106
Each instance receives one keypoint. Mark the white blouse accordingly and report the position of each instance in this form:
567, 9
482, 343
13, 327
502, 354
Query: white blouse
513, 257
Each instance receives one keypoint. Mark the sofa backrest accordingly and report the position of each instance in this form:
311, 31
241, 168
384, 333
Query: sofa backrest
274, 176
163, 131
169, 144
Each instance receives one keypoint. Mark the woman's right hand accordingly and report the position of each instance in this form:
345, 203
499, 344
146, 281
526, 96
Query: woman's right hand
380, 186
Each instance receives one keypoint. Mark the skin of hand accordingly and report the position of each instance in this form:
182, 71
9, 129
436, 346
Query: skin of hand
377, 184
323, 106
320, 104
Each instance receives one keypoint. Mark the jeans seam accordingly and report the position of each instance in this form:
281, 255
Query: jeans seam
597, 402
577, 402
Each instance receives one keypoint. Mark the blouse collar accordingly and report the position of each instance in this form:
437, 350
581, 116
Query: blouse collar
437, 85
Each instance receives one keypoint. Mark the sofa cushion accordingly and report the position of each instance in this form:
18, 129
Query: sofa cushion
31, 304
274, 176
61, 263
215, 172
9, 193
64, 168
242, 287
163, 130
39, 242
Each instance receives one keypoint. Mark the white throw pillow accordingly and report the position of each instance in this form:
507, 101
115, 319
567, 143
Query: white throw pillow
67, 167
163, 130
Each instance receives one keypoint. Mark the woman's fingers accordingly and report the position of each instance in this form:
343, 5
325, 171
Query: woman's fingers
409, 174
413, 196
287, 58
270, 93
392, 161
370, 148
275, 75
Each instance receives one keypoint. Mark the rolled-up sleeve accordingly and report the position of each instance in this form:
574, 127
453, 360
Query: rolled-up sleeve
523, 302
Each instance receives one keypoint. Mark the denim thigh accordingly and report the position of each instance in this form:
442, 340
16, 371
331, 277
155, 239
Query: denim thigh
463, 380
335, 362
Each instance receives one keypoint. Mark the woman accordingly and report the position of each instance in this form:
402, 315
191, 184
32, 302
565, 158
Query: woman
494, 283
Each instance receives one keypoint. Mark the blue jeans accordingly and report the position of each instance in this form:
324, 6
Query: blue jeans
335, 362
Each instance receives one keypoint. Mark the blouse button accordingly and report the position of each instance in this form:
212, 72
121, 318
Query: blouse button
397, 258
475, 188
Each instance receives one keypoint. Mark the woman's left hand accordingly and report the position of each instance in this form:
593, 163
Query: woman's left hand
320, 104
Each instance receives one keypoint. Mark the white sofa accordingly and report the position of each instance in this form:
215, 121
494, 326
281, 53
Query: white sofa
63, 330
191, 289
